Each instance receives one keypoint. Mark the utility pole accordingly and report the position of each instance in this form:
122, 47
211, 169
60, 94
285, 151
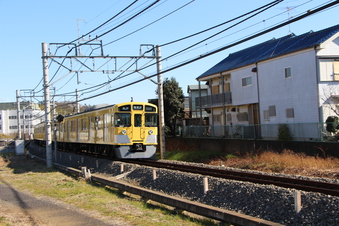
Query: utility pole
47, 106
18, 113
161, 105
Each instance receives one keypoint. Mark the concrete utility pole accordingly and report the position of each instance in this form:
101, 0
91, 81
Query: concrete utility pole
47, 106
18, 113
161, 105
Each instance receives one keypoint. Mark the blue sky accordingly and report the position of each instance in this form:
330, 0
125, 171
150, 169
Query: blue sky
24, 25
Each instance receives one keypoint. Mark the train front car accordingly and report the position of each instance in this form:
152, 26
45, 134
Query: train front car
135, 130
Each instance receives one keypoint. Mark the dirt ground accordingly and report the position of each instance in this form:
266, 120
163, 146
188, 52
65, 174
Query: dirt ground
22, 209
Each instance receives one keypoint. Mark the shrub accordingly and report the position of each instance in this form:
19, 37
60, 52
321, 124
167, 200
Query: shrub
332, 124
284, 133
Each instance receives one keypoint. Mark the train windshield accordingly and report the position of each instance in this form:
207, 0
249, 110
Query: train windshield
151, 120
122, 120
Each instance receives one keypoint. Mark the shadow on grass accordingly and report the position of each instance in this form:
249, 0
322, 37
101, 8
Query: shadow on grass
23, 164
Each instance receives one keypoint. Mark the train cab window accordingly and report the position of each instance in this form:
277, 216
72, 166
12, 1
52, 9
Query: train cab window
137, 107
122, 119
150, 109
151, 120
137, 120
125, 108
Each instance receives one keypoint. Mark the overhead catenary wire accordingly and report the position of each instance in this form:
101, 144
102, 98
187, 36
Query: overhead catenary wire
218, 25
170, 13
129, 19
197, 58
263, 8
104, 22
267, 6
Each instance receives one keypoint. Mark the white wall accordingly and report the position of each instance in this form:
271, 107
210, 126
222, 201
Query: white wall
242, 95
298, 92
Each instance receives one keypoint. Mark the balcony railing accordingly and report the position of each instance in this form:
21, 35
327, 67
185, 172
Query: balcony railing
214, 100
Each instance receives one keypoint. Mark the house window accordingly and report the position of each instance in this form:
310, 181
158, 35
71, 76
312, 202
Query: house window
289, 113
216, 118
242, 116
288, 73
229, 117
215, 89
227, 87
266, 115
247, 81
336, 70
272, 111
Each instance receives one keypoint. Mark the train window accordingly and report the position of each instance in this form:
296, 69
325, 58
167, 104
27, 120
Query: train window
84, 124
151, 120
125, 108
72, 126
137, 107
106, 120
98, 123
150, 109
137, 120
122, 119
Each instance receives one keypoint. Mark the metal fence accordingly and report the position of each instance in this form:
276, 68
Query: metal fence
298, 131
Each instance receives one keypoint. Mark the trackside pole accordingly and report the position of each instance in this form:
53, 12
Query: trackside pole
161, 105
48, 132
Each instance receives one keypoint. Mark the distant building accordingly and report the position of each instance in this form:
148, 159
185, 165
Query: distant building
30, 115
195, 116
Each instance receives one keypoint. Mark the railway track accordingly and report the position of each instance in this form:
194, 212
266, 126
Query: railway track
286, 182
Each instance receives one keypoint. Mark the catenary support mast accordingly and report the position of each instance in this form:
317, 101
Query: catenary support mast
47, 106
161, 105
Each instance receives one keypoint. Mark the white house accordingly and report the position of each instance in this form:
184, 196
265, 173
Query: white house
291, 80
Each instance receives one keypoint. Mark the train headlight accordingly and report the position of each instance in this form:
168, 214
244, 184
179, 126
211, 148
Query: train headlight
123, 132
150, 132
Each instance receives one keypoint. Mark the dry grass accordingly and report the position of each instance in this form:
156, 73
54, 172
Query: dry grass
287, 162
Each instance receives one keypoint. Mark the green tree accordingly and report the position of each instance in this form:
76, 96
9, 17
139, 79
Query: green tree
173, 104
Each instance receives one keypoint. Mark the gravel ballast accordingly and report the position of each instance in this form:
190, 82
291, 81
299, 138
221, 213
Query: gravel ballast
267, 202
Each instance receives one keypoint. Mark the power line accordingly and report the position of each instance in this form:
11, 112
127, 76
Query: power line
211, 28
150, 23
265, 7
105, 22
105, 33
308, 13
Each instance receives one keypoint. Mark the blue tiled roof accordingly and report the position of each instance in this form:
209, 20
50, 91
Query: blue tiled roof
271, 49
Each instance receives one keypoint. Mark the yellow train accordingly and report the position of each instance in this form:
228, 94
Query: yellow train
127, 130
